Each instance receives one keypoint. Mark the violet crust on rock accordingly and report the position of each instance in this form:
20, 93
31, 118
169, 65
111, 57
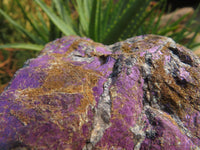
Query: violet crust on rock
142, 93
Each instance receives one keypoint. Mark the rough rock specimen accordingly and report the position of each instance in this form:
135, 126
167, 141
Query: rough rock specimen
141, 93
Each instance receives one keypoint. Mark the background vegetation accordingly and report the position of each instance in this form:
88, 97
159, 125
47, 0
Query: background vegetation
26, 26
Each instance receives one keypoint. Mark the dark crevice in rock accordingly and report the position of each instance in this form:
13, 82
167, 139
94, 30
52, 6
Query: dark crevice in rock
183, 57
151, 117
103, 59
128, 62
182, 83
117, 67
16, 145
148, 59
152, 134
129, 65
167, 109
88, 145
174, 90
196, 120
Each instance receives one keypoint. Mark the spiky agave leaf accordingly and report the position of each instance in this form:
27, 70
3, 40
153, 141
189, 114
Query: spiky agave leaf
34, 26
102, 20
137, 23
21, 28
63, 26
116, 28
35, 47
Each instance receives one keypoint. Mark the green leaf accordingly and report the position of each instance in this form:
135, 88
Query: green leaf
45, 39
35, 47
92, 20
135, 26
95, 21
118, 26
158, 15
54, 31
84, 8
106, 15
117, 11
20, 28
195, 46
44, 27
98, 21
63, 11
59, 7
64, 27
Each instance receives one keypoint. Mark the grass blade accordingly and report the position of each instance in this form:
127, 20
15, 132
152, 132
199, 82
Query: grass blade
84, 8
44, 27
20, 28
59, 7
123, 20
95, 21
63, 11
106, 15
118, 10
45, 39
159, 16
35, 47
92, 20
135, 27
64, 27
98, 21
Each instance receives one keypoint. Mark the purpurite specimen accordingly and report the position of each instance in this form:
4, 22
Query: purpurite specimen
141, 93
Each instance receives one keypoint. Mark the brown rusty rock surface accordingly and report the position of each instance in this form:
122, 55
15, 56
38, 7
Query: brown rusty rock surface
141, 93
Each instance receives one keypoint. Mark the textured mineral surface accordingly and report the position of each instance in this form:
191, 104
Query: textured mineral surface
142, 93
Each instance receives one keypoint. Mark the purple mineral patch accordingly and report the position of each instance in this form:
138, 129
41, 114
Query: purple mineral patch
141, 93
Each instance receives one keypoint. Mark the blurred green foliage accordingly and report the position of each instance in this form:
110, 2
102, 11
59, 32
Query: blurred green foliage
103, 21
107, 21
11, 59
